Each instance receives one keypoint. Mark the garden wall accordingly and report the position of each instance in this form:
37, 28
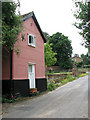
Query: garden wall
56, 69
57, 75
62, 75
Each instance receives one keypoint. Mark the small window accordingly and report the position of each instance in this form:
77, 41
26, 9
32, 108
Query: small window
31, 40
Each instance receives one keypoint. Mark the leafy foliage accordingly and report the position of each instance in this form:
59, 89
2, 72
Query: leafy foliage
82, 75
12, 100
82, 14
11, 25
70, 78
80, 64
86, 59
46, 35
51, 85
62, 46
50, 58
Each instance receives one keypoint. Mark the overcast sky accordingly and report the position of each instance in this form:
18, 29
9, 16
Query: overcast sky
55, 16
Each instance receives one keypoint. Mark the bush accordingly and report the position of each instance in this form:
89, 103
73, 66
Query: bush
57, 85
60, 79
70, 78
80, 64
51, 85
5, 100
37, 93
64, 81
81, 75
11, 100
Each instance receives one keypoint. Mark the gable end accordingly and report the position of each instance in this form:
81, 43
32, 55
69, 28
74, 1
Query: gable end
36, 22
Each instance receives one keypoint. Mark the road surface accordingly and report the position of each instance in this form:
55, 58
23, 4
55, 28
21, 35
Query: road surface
68, 101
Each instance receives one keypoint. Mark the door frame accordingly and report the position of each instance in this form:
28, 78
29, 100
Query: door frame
34, 71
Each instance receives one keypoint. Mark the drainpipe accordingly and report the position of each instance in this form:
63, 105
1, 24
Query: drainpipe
11, 89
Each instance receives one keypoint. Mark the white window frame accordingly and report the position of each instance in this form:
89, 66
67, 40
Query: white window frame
31, 44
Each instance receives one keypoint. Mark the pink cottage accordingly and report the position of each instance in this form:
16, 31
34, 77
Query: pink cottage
27, 69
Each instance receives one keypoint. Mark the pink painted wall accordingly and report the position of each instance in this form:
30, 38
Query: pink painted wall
6, 68
29, 54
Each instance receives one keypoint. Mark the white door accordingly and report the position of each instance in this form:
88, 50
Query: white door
31, 75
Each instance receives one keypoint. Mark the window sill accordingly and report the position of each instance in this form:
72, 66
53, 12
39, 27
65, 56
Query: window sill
31, 45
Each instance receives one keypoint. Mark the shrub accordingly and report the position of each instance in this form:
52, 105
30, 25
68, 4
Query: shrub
73, 78
64, 81
79, 64
81, 75
60, 79
11, 100
5, 100
57, 84
51, 85
70, 78
37, 93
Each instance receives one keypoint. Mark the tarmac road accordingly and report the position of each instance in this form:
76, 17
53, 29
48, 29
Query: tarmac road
68, 101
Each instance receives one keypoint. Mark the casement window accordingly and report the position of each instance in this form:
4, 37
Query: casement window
31, 40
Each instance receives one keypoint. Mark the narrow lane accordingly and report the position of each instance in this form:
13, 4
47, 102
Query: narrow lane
68, 101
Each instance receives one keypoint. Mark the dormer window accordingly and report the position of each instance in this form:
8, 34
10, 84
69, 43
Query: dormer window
31, 40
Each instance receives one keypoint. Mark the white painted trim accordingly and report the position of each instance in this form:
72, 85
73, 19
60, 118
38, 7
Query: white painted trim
31, 44
31, 63
31, 75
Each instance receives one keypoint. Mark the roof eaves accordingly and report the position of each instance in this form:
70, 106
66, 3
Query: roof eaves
30, 15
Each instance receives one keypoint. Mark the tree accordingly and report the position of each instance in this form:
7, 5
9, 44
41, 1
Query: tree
62, 46
76, 55
86, 59
82, 14
11, 25
50, 58
46, 35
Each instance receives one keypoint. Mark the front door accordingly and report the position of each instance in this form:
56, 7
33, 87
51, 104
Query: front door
31, 75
